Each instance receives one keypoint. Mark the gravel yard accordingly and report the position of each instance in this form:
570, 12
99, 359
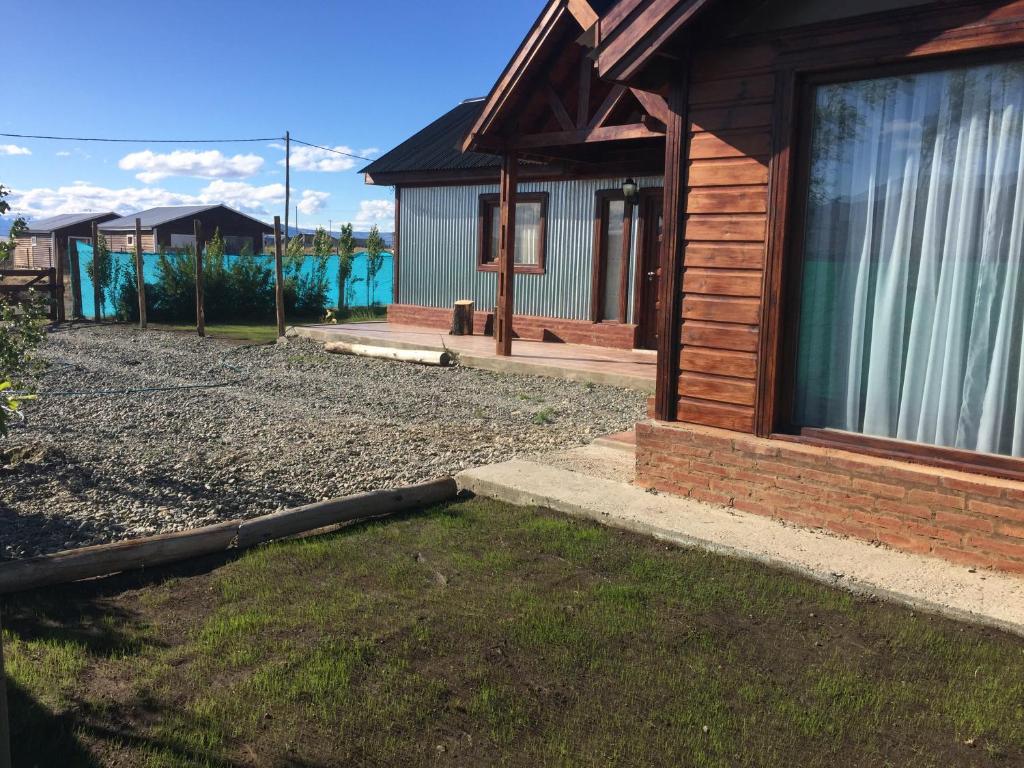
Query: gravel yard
298, 425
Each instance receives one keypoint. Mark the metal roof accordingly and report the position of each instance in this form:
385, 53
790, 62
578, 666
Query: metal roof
157, 217
435, 148
154, 217
64, 220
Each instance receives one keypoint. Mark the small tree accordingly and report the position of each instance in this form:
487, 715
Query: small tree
20, 333
346, 250
105, 262
17, 228
374, 261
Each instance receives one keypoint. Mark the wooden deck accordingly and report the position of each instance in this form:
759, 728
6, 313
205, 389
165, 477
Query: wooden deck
632, 369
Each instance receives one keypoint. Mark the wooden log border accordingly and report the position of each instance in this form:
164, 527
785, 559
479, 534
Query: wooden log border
108, 559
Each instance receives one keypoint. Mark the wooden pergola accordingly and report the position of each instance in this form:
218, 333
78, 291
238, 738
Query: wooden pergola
550, 104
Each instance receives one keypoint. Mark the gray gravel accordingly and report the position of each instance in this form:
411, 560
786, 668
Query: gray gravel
298, 426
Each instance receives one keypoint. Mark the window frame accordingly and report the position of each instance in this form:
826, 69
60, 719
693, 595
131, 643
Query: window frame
483, 227
130, 240
602, 199
794, 181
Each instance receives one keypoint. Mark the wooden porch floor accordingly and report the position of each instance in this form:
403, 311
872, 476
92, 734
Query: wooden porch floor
632, 369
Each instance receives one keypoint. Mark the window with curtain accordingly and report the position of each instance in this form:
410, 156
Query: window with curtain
531, 213
911, 311
611, 257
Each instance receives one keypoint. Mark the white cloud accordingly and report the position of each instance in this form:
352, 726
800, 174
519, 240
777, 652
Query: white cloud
211, 164
14, 149
313, 159
261, 201
379, 212
312, 201
63, 153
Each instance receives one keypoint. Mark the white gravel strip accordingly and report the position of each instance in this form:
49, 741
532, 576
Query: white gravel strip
300, 426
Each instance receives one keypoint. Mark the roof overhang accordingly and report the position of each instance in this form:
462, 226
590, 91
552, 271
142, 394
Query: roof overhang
546, 32
634, 32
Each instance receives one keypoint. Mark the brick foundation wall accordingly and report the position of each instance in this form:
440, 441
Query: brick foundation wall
967, 518
615, 335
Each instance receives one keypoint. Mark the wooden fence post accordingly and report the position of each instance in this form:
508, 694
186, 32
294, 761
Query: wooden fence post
200, 312
5, 726
59, 266
140, 280
51, 278
97, 294
278, 276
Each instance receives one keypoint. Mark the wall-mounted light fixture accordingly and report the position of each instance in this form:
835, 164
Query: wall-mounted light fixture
630, 190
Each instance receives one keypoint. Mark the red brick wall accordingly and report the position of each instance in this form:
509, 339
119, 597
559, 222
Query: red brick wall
554, 329
967, 518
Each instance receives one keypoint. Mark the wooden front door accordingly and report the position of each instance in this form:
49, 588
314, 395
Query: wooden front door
649, 268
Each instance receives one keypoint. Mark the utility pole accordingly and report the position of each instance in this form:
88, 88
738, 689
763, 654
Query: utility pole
278, 277
5, 733
287, 182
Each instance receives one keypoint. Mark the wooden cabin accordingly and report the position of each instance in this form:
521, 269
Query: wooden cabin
173, 228
840, 302
51, 242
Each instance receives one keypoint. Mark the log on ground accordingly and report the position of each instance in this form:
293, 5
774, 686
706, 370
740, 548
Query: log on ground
421, 356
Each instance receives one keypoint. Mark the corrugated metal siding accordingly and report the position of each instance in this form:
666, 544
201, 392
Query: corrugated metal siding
439, 242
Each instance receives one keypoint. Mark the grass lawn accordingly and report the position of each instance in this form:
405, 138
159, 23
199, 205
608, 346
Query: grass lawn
483, 634
266, 332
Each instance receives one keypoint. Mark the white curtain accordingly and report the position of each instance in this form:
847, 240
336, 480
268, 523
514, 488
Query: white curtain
527, 233
912, 311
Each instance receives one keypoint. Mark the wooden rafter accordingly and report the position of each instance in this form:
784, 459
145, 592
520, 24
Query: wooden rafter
607, 107
654, 104
583, 13
583, 102
561, 115
586, 136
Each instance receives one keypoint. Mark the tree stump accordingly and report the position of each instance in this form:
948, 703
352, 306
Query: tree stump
462, 318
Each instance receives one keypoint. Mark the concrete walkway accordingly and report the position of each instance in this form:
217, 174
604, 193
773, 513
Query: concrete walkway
593, 483
629, 369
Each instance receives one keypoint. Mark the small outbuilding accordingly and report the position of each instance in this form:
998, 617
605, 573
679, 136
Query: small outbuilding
173, 228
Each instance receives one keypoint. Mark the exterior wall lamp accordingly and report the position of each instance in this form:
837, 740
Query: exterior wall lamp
630, 190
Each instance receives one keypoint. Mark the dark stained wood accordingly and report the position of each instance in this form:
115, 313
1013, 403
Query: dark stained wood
733, 90
731, 117
505, 301
558, 109
653, 103
590, 135
740, 338
599, 276
279, 278
741, 365
615, 95
722, 309
725, 255
722, 282
728, 173
140, 278
720, 389
59, 244
734, 227
396, 252
97, 294
582, 11
583, 92
744, 199
648, 266
722, 144
737, 418
200, 299
673, 244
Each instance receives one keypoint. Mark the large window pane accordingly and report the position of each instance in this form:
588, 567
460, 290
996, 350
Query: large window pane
612, 255
912, 293
528, 240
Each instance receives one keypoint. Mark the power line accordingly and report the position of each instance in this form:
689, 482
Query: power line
139, 141
328, 149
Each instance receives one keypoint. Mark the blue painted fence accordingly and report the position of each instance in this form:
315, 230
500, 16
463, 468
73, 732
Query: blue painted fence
357, 288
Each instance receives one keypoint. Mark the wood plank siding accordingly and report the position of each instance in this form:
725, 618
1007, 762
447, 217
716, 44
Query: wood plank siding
730, 138
743, 109
117, 242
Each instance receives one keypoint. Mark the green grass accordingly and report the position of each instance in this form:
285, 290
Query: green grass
482, 634
265, 332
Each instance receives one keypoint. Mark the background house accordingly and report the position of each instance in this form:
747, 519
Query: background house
172, 228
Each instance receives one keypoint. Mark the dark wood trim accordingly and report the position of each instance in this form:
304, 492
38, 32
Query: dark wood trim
779, 193
586, 136
673, 245
483, 233
599, 266
505, 301
396, 257
990, 464
643, 258
558, 108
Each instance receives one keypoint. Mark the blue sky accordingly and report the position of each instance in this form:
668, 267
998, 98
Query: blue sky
357, 76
